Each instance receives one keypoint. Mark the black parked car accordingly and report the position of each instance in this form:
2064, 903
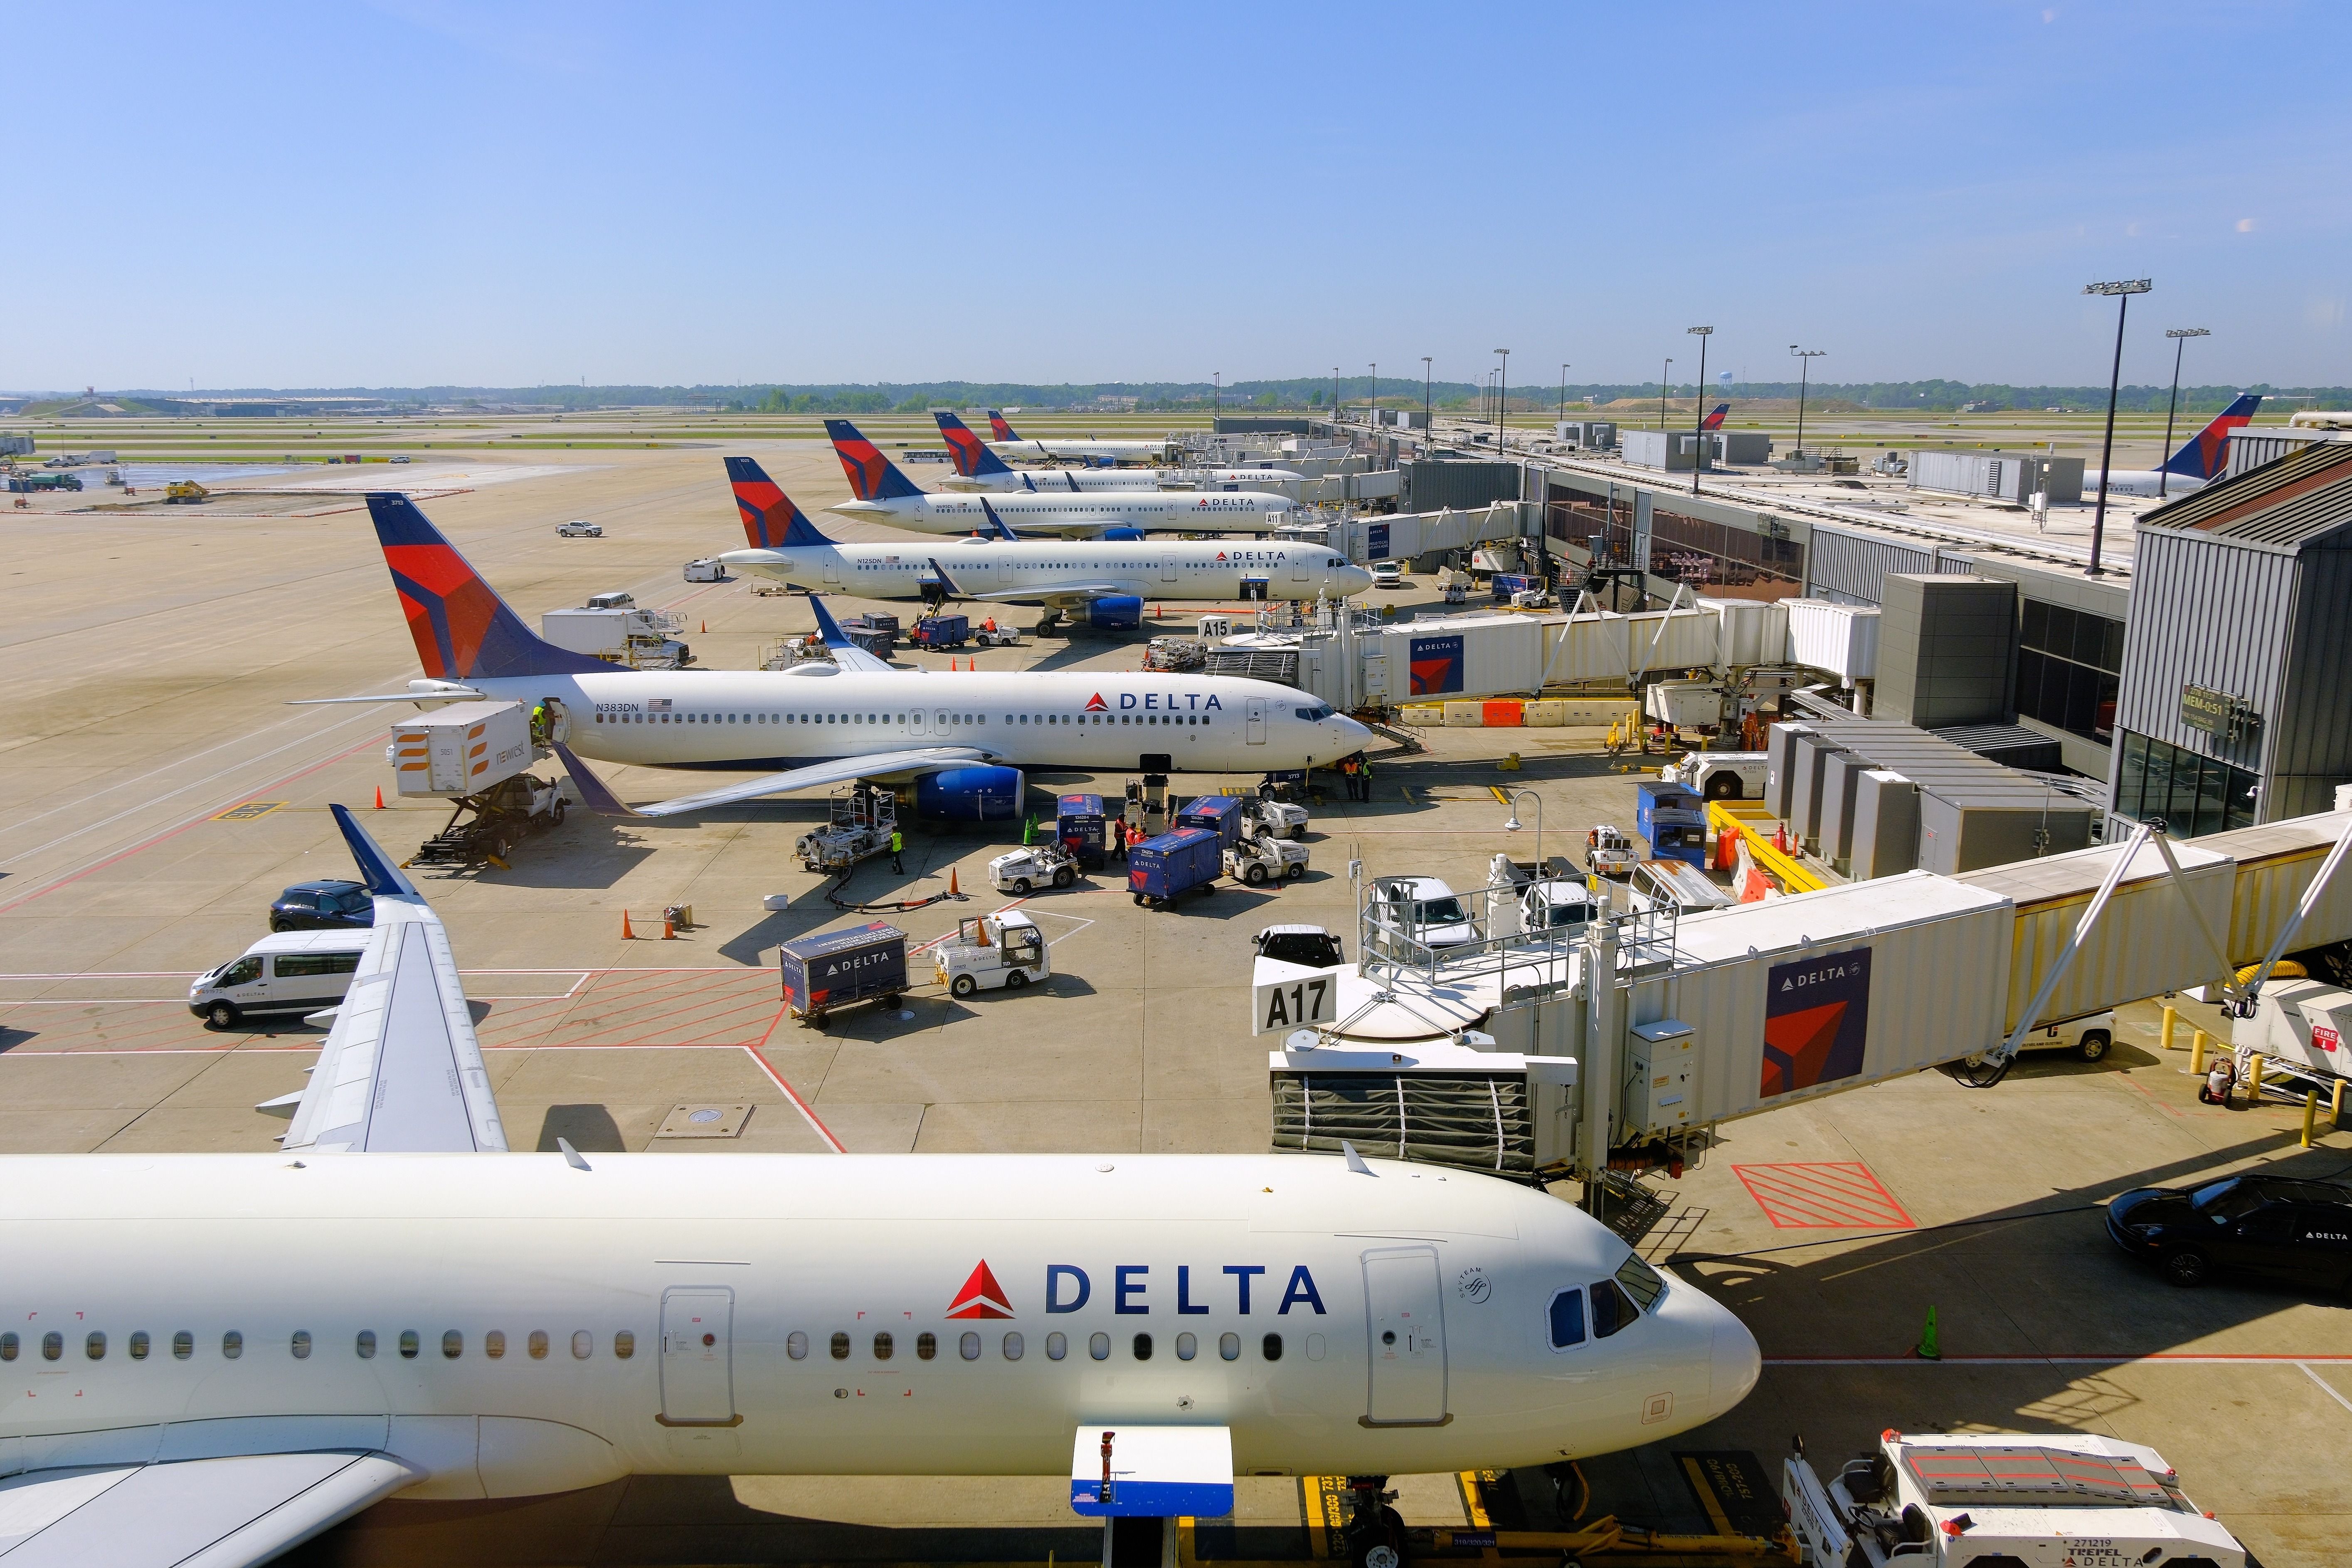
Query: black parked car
323, 906
2268, 1227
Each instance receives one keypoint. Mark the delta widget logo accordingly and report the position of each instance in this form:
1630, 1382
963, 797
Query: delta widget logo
981, 1296
1094, 704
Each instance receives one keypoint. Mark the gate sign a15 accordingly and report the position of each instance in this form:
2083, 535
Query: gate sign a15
1436, 665
1816, 1021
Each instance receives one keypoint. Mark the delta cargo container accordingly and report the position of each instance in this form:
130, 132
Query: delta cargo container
1079, 826
1158, 869
1221, 815
836, 968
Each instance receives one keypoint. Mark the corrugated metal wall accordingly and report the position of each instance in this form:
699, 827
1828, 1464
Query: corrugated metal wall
2312, 745
1432, 484
2206, 612
1847, 568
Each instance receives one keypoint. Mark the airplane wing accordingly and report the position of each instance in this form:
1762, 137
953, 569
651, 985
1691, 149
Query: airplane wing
598, 797
223, 1512
1084, 592
845, 654
401, 1069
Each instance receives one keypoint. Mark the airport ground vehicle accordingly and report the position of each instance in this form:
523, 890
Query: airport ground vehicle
835, 969
1721, 775
186, 492
1260, 857
859, 824
1037, 866
940, 631
1280, 817
1387, 575
2088, 1037
1558, 903
1426, 909
397, 458
1944, 1499
579, 528
1175, 862
330, 905
708, 568
997, 636
1313, 946
988, 953
291, 972
503, 814
2266, 1227
1675, 884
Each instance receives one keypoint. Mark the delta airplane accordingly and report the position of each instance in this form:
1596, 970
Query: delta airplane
1714, 421
208, 1358
885, 495
978, 468
2200, 460
952, 746
1101, 583
1087, 448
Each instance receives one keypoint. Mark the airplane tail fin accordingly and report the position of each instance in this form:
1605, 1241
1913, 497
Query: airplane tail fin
872, 476
2204, 455
770, 520
464, 631
1714, 420
973, 461
1001, 431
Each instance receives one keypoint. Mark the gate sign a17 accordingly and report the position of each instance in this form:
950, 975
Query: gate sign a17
1816, 1021
1436, 665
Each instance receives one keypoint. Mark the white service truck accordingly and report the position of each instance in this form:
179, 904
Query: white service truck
1280, 817
2060, 1499
1721, 775
1005, 950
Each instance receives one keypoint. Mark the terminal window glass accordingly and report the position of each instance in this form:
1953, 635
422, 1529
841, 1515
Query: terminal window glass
2069, 664
2194, 794
1721, 559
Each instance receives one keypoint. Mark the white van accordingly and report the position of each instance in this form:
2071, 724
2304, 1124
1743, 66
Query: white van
290, 971
1659, 883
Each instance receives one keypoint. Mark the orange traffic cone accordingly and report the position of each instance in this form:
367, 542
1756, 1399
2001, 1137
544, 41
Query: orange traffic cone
669, 930
379, 798
705, 628
953, 892
627, 934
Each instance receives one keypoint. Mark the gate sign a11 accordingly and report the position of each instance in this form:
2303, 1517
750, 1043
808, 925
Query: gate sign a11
1816, 1021
1436, 665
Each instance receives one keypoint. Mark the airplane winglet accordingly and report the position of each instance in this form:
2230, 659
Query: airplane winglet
994, 521
595, 793
945, 581
828, 629
384, 879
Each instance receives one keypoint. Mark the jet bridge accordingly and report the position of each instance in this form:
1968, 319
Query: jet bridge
1502, 1053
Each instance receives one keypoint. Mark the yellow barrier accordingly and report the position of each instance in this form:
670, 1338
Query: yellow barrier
1749, 819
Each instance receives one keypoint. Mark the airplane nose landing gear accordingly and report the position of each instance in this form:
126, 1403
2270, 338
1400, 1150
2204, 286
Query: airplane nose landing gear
1375, 1533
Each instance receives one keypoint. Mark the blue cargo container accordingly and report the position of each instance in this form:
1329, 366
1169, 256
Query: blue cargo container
942, 631
836, 968
1175, 862
1672, 819
1507, 583
1221, 815
1078, 824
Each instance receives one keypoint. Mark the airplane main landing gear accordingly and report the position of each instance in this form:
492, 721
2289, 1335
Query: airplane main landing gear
1048, 624
1375, 1533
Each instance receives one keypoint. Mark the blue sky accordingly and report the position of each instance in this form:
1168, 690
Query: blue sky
413, 192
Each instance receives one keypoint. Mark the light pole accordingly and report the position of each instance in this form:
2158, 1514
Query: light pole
1375, 415
1662, 393
1425, 432
1513, 826
1699, 409
2122, 293
2179, 336
1218, 377
1502, 397
1563, 390
1805, 358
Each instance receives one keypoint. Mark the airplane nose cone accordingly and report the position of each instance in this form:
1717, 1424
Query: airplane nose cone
1354, 581
1356, 735
1734, 1364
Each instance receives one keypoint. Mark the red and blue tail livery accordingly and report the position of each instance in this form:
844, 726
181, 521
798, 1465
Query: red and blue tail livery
464, 631
2204, 455
770, 520
1714, 420
872, 476
1001, 430
971, 454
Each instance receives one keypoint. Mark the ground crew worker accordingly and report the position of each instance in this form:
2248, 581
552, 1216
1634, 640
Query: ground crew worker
1347, 775
1364, 777
897, 842
538, 721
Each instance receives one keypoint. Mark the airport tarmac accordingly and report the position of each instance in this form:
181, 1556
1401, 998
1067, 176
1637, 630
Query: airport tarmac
161, 789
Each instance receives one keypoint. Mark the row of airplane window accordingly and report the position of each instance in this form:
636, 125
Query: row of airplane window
1185, 718
1014, 1346
410, 1345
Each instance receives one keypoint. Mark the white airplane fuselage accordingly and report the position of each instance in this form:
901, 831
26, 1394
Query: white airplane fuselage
1080, 446
817, 714
1174, 569
2141, 482
1185, 511
512, 1326
1074, 481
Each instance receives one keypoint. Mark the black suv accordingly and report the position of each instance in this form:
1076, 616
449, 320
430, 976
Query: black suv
2270, 1226
323, 906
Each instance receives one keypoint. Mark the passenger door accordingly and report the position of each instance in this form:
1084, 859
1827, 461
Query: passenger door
698, 1380
1167, 566
1404, 1323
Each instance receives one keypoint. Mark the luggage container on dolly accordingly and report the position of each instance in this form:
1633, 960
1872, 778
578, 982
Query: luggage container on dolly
1158, 869
835, 969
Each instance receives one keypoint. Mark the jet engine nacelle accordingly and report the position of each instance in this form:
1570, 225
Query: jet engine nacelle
1127, 535
976, 794
1117, 611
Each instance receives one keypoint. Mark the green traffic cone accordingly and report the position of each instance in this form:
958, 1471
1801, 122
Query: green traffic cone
1927, 1349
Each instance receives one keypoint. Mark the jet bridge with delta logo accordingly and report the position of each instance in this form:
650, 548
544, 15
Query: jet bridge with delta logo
1619, 1045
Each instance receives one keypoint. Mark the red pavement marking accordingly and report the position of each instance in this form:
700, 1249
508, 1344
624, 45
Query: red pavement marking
798, 1103
1823, 1195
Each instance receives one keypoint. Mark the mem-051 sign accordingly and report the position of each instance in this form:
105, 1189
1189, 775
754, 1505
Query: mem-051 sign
2216, 713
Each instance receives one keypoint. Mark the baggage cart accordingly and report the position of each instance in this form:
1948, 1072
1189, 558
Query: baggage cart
1158, 869
835, 969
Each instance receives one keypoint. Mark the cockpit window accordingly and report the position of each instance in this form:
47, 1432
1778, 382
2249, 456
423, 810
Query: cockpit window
1567, 1319
1641, 1281
1312, 713
1611, 1309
